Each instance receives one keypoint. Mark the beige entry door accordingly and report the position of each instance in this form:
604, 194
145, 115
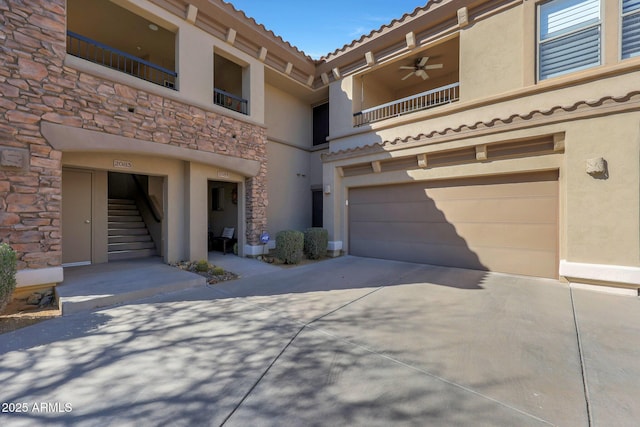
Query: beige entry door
76, 217
503, 223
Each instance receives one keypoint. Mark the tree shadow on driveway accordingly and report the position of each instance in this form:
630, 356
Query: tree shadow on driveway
174, 363
301, 349
350, 273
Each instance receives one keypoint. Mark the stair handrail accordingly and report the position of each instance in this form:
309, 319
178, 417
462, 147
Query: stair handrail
150, 200
154, 204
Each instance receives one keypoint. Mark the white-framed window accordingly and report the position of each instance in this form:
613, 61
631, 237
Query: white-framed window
630, 28
569, 36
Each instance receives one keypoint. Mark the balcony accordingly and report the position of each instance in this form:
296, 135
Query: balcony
112, 36
424, 79
411, 104
99, 53
230, 101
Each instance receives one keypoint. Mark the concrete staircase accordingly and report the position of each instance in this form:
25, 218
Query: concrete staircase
128, 234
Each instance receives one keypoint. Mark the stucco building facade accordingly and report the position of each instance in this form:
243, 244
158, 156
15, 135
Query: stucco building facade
498, 135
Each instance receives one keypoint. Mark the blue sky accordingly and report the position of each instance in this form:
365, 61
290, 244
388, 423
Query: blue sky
320, 27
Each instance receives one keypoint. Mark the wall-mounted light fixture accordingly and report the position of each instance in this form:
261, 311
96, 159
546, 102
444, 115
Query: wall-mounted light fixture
327, 189
597, 168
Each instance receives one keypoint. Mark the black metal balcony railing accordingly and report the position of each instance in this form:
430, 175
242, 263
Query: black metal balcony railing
410, 104
230, 101
99, 53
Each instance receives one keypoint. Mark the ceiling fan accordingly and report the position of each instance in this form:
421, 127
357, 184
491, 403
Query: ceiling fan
420, 68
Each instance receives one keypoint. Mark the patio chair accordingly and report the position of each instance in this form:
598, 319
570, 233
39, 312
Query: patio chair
225, 241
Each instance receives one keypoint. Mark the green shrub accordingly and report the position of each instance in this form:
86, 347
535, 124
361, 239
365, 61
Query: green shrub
289, 246
217, 271
316, 241
7, 274
202, 266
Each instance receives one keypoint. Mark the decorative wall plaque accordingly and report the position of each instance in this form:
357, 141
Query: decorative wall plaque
14, 159
122, 164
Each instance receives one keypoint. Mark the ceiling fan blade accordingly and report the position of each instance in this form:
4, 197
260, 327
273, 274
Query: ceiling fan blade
432, 66
423, 61
407, 67
408, 75
422, 74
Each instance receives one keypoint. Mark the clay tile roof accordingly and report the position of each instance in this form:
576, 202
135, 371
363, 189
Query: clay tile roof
418, 11
263, 28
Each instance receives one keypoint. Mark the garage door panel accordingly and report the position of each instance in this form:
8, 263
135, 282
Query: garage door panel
420, 252
453, 190
526, 262
510, 236
411, 192
518, 209
506, 223
425, 211
436, 233
494, 191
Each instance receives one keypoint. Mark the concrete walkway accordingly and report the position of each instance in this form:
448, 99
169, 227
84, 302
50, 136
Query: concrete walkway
349, 341
244, 267
103, 285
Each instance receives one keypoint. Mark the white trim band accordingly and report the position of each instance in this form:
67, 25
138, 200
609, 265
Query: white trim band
600, 272
335, 245
39, 276
605, 289
251, 250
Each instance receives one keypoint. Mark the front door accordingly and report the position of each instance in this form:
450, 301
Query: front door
316, 208
76, 217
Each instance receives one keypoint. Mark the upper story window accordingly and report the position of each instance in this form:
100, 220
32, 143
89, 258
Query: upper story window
569, 36
229, 82
630, 28
321, 123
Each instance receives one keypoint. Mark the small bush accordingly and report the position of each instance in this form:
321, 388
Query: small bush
7, 274
289, 246
217, 271
316, 241
202, 266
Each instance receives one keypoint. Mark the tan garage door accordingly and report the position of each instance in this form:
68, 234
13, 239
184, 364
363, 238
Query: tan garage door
507, 224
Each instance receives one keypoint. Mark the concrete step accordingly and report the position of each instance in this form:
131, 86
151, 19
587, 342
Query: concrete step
122, 205
124, 218
125, 224
127, 231
130, 238
131, 254
95, 286
129, 246
121, 211
121, 201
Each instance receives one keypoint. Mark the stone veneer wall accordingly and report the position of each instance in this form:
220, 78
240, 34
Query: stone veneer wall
35, 86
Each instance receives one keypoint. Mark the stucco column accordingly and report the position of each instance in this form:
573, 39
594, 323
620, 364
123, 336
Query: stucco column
341, 106
195, 211
333, 195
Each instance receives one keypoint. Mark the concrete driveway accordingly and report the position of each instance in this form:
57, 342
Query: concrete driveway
349, 341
